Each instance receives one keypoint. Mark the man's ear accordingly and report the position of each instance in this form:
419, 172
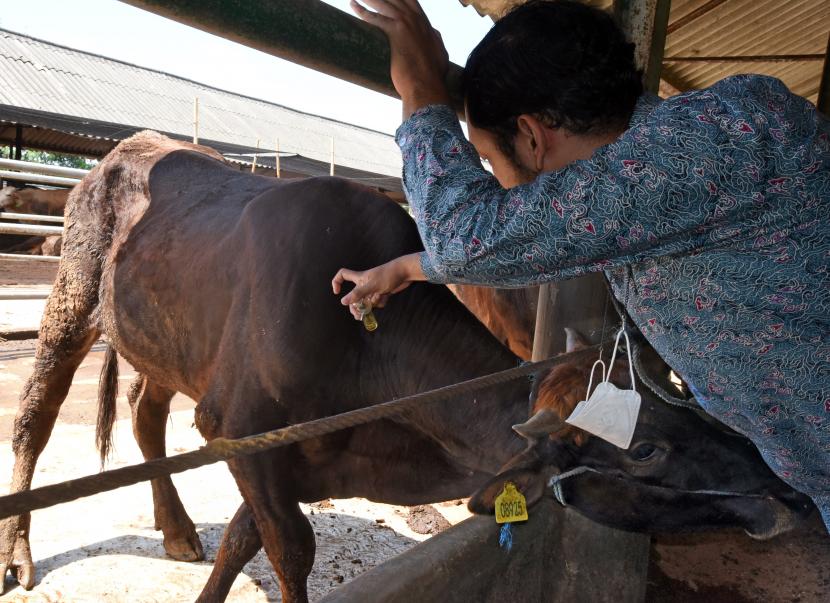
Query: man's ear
533, 133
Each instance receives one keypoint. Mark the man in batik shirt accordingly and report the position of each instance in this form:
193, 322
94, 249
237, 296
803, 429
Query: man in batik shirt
708, 212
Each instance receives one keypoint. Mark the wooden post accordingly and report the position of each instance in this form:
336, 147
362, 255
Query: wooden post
823, 101
277, 158
196, 120
18, 142
645, 23
253, 163
580, 303
331, 170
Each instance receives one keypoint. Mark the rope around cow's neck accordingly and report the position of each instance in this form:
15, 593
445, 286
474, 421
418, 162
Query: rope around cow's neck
555, 483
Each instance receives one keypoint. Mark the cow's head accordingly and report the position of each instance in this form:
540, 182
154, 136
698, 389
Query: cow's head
8, 198
664, 482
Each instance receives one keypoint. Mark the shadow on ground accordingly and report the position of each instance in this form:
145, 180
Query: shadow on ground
346, 547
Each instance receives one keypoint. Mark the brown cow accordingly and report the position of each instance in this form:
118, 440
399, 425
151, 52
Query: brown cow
50, 202
509, 314
215, 283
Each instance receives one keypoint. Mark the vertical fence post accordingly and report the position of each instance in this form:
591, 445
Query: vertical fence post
253, 162
277, 158
196, 120
331, 170
18, 142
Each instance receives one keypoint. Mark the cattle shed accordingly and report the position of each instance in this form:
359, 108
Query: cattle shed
683, 45
59, 99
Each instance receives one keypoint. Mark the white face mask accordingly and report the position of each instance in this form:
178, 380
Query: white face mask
609, 413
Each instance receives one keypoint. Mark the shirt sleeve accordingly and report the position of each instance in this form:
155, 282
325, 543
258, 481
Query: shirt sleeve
692, 173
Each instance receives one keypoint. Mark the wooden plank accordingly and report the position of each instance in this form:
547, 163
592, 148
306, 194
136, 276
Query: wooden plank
465, 564
745, 58
694, 15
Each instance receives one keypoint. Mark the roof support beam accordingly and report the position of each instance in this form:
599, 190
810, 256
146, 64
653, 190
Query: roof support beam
307, 32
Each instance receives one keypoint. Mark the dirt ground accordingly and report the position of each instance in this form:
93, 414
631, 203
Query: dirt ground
104, 548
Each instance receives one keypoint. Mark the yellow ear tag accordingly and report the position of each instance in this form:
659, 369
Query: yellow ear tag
510, 505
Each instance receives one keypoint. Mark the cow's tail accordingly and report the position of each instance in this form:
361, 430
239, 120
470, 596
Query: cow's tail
107, 395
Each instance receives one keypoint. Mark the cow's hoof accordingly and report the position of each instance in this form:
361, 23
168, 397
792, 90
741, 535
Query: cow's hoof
25, 572
184, 548
19, 564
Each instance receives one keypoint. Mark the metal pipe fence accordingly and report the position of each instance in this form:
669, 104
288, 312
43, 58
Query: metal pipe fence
7, 215
41, 168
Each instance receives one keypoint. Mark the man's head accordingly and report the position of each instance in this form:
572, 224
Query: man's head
550, 82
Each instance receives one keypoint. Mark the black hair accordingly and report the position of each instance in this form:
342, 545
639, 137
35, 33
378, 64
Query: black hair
565, 62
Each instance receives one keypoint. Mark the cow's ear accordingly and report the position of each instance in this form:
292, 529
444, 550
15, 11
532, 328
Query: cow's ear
529, 481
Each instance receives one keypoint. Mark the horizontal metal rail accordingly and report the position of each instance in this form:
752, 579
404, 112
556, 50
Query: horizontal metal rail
39, 178
20, 257
25, 295
41, 168
7, 215
34, 230
307, 32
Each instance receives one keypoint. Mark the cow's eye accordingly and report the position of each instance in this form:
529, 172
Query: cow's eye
644, 452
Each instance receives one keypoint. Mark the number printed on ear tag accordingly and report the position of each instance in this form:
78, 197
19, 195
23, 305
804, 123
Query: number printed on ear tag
510, 505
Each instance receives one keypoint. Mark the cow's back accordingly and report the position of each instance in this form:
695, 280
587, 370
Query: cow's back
227, 264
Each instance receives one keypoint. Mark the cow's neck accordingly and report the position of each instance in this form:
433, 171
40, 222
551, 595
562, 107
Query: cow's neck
445, 344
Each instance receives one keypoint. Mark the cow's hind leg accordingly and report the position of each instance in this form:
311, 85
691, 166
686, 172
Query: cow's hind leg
266, 482
240, 543
266, 485
66, 335
150, 405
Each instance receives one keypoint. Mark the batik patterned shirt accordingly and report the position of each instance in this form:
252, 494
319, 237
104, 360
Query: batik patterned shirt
710, 216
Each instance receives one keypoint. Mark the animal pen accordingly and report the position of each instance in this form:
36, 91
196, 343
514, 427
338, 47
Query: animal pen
558, 555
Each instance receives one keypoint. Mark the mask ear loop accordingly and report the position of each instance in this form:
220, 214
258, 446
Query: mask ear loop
620, 333
591, 378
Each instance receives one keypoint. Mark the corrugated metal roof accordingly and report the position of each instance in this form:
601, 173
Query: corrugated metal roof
746, 28
63, 134
730, 28
48, 79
